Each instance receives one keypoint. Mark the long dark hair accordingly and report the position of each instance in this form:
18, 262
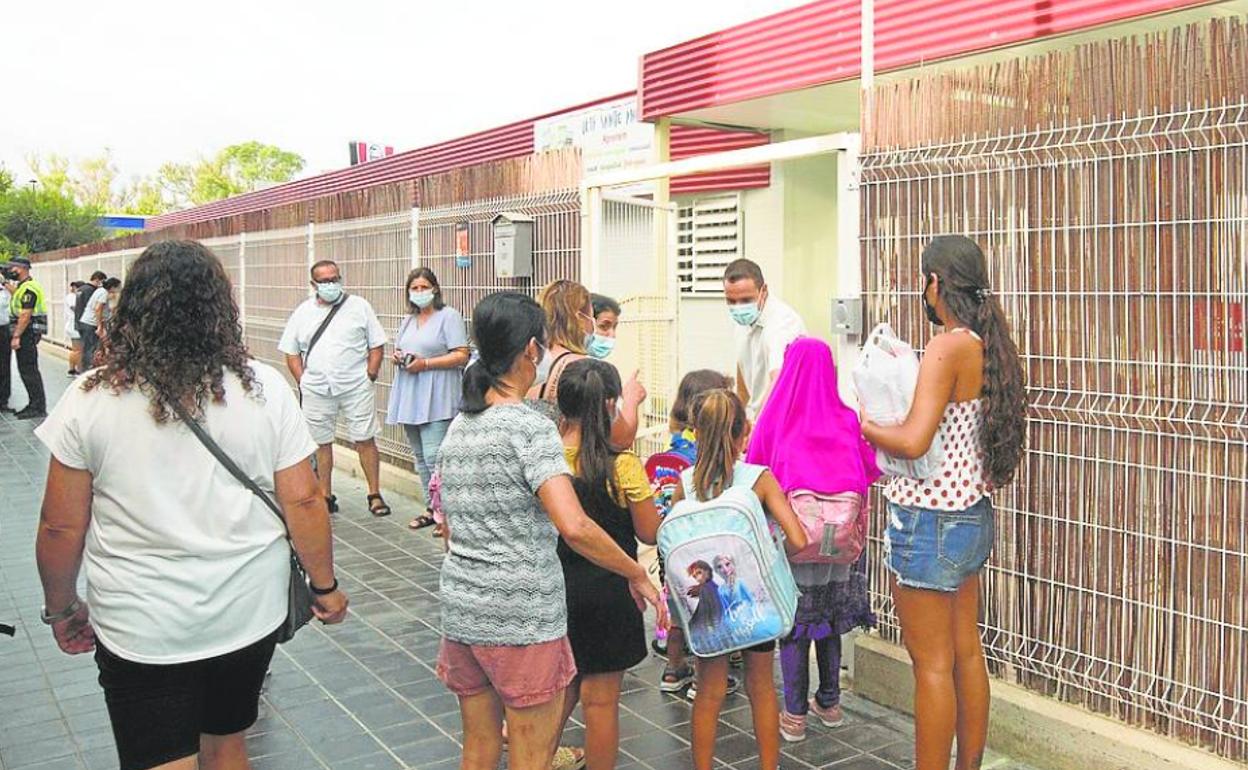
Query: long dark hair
175, 331
502, 324
963, 285
584, 389
719, 420
428, 275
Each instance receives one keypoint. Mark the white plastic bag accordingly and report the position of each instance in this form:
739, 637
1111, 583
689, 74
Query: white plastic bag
885, 378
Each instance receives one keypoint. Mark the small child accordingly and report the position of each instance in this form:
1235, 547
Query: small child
680, 422
435, 508
720, 422
605, 627
812, 441
678, 673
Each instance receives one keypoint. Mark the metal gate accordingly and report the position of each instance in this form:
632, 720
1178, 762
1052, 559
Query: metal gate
631, 258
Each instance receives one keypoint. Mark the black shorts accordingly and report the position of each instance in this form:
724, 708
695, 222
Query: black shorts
159, 711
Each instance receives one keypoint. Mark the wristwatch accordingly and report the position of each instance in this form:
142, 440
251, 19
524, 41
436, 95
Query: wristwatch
324, 591
64, 614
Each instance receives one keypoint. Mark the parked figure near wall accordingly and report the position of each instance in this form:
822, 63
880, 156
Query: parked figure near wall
72, 338
183, 609
508, 497
430, 352
334, 345
112, 289
86, 332
571, 328
92, 320
765, 327
941, 533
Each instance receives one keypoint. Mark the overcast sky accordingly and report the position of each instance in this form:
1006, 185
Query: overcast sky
158, 81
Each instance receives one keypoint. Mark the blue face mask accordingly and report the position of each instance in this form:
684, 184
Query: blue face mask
421, 299
745, 314
330, 291
599, 346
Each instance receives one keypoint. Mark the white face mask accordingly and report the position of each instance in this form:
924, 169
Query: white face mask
543, 366
330, 291
421, 299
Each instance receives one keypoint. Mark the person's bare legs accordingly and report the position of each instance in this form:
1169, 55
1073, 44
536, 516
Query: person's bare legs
675, 646
185, 763
532, 734
370, 462
712, 689
571, 697
482, 718
325, 469
762, 692
223, 752
970, 677
600, 694
75, 355
927, 631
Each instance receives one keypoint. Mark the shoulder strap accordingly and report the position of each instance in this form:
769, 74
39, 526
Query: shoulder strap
746, 475
551, 376
229, 464
333, 311
686, 481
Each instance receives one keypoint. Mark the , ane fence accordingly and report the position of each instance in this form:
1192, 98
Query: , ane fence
269, 270
1108, 187
467, 276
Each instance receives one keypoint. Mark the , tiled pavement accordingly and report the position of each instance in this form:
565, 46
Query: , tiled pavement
354, 696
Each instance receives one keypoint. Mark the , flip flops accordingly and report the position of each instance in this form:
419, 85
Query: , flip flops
565, 758
568, 758
379, 510
676, 679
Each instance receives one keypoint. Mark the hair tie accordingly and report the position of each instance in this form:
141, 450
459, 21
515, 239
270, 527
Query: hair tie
982, 295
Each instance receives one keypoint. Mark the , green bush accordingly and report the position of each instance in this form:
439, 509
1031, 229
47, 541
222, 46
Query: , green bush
36, 219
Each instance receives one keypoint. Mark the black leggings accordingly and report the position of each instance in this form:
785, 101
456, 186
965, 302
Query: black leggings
28, 367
